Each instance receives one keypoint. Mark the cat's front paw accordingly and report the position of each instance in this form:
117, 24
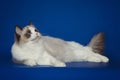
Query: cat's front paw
30, 63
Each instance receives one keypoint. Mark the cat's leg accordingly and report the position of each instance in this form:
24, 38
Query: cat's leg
85, 55
51, 62
90, 57
97, 58
47, 59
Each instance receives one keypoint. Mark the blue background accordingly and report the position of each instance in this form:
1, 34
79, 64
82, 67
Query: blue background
76, 20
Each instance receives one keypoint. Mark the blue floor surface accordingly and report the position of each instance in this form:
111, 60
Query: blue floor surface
73, 71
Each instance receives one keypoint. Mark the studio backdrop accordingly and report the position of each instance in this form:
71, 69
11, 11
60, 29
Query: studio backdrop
72, 20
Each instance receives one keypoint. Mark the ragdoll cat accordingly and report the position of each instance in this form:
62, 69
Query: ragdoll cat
32, 48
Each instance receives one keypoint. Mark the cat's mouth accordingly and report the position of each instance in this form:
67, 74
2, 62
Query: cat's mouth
37, 37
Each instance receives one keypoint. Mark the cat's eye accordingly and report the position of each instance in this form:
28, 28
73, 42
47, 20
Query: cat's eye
36, 30
28, 32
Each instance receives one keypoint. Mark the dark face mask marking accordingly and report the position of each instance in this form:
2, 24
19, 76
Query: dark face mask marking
28, 34
17, 37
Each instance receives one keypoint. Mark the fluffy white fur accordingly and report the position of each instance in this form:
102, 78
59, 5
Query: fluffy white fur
46, 50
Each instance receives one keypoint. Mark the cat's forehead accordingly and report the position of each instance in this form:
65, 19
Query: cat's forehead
29, 28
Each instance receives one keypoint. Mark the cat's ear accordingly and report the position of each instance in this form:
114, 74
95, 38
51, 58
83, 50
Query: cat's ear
30, 23
18, 30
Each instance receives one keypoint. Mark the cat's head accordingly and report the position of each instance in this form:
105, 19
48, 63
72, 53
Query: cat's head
26, 34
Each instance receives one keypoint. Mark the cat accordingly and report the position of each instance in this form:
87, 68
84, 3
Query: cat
31, 48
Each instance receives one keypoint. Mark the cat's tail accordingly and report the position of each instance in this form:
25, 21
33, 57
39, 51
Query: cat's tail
97, 43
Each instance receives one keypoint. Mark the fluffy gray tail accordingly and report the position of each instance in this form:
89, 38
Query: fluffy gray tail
97, 43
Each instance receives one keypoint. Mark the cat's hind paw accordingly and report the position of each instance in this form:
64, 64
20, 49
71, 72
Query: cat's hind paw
98, 59
104, 59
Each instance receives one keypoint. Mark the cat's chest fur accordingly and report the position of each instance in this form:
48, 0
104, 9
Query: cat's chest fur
31, 50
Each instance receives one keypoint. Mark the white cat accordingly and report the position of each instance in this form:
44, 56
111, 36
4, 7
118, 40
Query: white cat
32, 48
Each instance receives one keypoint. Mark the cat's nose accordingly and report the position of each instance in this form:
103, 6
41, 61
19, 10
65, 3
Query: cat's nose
37, 34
